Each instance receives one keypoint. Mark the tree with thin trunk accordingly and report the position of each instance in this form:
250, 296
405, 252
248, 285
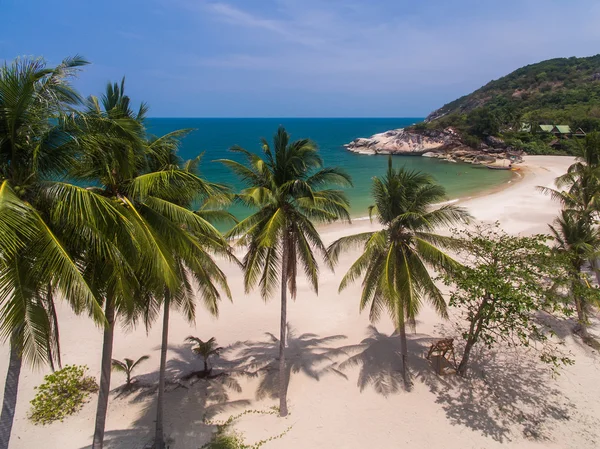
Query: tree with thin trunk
395, 260
170, 243
578, 242
205, 349
126, 366
501, 287
46, 222
192, 249
289, 188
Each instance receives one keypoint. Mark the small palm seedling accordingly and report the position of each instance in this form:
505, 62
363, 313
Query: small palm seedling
205, 349
127, 366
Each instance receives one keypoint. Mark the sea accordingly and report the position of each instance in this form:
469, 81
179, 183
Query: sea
213, 137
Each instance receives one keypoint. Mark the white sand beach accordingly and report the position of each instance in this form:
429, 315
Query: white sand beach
518, 404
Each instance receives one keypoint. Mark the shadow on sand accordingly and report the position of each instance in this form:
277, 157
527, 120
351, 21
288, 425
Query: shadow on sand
187, 403
505, 392
306, 353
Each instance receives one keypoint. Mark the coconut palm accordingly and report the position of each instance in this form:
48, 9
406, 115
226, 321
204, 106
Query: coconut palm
205, 349
174, 243
192, 251
289, 188
46, 223
127, 366
579, 242
394, 261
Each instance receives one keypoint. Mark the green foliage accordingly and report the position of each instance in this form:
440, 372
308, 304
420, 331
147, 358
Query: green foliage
204, 349
62, 394
559, 91
504, 283
127, 366
225, 438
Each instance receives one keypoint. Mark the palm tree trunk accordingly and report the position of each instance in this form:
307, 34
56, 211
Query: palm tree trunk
581, 327
159, 439
54, 340
107, 349
404, 355
11, 388
283, 411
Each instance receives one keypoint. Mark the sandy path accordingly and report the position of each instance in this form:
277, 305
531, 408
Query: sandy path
364, 407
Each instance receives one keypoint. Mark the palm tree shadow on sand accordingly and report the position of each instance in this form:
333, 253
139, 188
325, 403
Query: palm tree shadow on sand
506, 394
380, 362
306, 353
188, 402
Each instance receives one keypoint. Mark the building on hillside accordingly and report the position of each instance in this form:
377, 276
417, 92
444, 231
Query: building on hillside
559, 131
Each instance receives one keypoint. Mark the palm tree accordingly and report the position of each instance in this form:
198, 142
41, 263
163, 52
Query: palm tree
127, 366
46, 222
395, 259
191, 249
288, 187
578, 242
205, 349
172, 243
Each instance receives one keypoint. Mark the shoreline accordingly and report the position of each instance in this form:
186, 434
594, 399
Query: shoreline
517, 177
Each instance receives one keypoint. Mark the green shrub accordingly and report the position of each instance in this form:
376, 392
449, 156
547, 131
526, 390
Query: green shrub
62, 394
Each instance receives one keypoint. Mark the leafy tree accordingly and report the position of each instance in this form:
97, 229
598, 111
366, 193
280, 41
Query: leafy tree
43, 217
504, 282
204, 349
394, 261
288, 187
127, 366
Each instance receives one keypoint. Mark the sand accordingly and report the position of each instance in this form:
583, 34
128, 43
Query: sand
362, 404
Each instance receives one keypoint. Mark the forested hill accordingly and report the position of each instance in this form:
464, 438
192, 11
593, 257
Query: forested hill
562, 91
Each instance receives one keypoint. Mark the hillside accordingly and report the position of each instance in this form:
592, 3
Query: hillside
563, 91
502, 119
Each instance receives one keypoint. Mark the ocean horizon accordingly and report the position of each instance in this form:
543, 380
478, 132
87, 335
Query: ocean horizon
213, 137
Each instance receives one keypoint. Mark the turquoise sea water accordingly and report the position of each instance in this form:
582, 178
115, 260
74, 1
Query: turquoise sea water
214, 137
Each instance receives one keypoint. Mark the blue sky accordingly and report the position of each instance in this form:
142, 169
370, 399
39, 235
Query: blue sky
289, 58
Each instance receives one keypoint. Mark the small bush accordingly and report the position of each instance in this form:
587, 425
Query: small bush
225, 438
62, 394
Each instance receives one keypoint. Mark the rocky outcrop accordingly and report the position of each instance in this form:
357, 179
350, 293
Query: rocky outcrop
446, 144
401, 141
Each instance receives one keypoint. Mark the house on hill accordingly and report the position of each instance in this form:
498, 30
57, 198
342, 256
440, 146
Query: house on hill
559, 131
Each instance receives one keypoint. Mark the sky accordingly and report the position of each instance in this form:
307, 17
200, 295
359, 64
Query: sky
298, 58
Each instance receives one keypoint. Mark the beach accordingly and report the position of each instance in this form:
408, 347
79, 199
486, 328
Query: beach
517, 403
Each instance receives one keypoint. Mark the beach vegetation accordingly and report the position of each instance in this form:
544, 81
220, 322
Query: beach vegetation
226, 438
46, 221
503, 285
62, 394
290, 190
395, 260
170, 244
126, 366
205, 349
575, 230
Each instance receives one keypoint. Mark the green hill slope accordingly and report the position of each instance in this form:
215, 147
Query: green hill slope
563, 91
